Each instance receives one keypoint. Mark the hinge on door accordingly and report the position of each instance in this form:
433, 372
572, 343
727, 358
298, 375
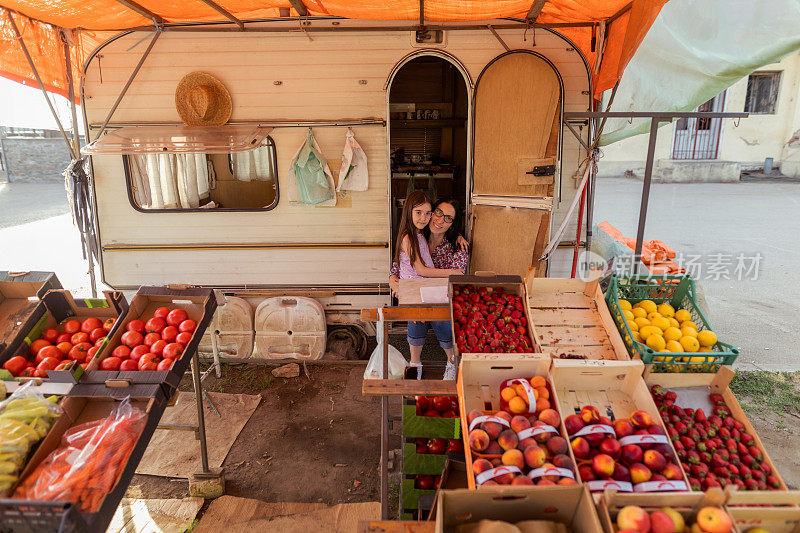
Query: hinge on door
543, 170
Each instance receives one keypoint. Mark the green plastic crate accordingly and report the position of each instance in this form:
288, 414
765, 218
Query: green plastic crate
426, 426
409, 495
678, 291
417, 463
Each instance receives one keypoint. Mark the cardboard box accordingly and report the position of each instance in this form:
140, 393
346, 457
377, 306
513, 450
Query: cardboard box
571, 505
21, 308
774, 511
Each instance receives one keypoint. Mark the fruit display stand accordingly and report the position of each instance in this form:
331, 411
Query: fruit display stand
693, 393
571, 319
571, 506
775, 512
21, 308
680, 292
617, 390
685, 504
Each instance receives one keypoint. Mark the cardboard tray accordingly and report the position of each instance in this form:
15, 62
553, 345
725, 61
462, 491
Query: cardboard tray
199, 303
571, 317
570, 504
693, 390
510, 284
21, 307
86, 402
775, 511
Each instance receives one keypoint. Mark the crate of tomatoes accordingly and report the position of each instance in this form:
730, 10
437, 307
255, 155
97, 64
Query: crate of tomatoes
21, 307
156, 337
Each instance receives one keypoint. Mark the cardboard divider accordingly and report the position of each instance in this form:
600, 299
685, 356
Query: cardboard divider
21, 308
774, 511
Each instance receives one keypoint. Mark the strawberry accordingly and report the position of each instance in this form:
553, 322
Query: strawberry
705, 457
736, 435
766, 468
728, 422
717, 460
699, 416
750, 484
732, 445
715, 421
681, 453
739, 483
716, 399
673, 434
756, 453
694, 484
689, 413
745, 472
734, 470
701, 446
698, 472
693, 457
742, 449
773, 482
687, 443
693, 434
682, 428
724, 433
758, 475
748, 439
738, 425
670, 395
762, 485
657, 391
709, 482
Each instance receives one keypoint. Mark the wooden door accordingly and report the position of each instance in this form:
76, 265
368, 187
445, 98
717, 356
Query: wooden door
517, 116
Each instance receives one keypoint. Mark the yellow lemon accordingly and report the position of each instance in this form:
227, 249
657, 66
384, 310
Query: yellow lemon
625, 305
646, 332
651, 316
689, 324
672, 334
674, 346
636, 336
648, 305
633, 326
659, 358
642, 322
660, 322
674, 323
656, 342
682, 315
666, 310
664, 350
705, 349
697, 359
628, 315
638, 312
689, 343
687, 331
706, 338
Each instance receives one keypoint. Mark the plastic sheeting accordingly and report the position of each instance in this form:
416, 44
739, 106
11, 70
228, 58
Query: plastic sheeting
695, 50
40, 24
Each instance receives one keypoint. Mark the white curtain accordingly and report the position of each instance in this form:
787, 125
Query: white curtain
171, 181
253, 165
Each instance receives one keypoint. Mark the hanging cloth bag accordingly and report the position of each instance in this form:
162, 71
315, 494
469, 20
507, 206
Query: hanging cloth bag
353, 176
313, 177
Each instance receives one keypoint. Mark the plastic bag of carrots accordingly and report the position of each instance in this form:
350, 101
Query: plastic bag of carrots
88, 462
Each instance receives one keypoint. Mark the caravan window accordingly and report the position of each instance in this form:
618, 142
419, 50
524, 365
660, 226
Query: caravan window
242, 181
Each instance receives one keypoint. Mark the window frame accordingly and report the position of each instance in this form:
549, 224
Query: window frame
268, 141
763, 74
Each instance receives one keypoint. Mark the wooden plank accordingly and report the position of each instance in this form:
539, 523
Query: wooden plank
397, 526
590, 352
610, 326
535, 10
409, 292
564, 300
402, 314
408, 387
570, 336
565, 317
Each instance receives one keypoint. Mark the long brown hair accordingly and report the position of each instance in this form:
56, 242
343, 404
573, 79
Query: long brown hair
407, 226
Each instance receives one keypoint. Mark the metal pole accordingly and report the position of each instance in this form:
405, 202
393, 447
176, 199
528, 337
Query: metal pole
648, 174
39, 81
68, 62
385, 428
201, 421
128, 83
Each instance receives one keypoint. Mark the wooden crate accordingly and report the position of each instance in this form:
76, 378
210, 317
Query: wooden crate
479, 379
686, 503
693, 390
615, 388
21, 309
776, 512
570, 317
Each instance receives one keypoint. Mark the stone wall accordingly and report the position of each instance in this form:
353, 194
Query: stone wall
33, 159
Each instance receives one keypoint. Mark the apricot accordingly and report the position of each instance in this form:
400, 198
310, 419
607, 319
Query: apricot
542, 405
507, 393
517, 405
544, 394
538, 381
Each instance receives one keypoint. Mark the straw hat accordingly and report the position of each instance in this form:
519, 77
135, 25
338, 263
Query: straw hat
202, 100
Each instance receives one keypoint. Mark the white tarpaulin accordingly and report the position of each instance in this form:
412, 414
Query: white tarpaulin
695, 50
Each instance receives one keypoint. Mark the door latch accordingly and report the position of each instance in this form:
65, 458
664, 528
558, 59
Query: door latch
543, 170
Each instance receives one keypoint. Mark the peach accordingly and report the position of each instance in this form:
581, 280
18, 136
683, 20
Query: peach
634, 518
631, 453
493, 449
550, 417
557, 446
513, 457
535, 456
518, 423
641, 419
611, 447
654, 460
527, 441
586, 473
493, 429
541, 438
580, 447
623, 427
564, 461
605, 420
544, 483
553, 477
496, 462
478, 440
640, 473
566, 481
472, 415
594, 439
603, 465
505, 479
590, 414
573, 424
489, 483
714, 520
480, 465
621, 473
672, 472
677, 519
661, 522
533, 419
507, 439
658, 477
522, 480
504, 415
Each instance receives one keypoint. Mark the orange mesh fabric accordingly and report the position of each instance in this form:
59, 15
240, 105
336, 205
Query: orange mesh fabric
40, 23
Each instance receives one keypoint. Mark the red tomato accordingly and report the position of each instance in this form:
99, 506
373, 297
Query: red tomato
441, 403
91, 353
72, 326
121, 351
109, 323
27, 372
97, 333
63, 364
100, 341
110, 363
149, 362
151, 338
79, 337
184, 338
155, 325
129, 364
37, 345
132, 338
437, 446
65, 347
48, 351
188, 326
165, 364
169, 333
91, 324
49, 363
79, 351
64, 337
176, 316
136, 325
173, 351
158, 347
51, 335
139, 351
16, 365
161, 312
84, 365
432, 413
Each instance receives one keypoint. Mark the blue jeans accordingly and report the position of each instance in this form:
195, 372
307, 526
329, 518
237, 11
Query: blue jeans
418, 330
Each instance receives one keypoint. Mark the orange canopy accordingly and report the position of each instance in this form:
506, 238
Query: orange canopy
50, 29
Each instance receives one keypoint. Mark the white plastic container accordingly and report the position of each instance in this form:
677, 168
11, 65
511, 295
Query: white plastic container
290, 327
234, 321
